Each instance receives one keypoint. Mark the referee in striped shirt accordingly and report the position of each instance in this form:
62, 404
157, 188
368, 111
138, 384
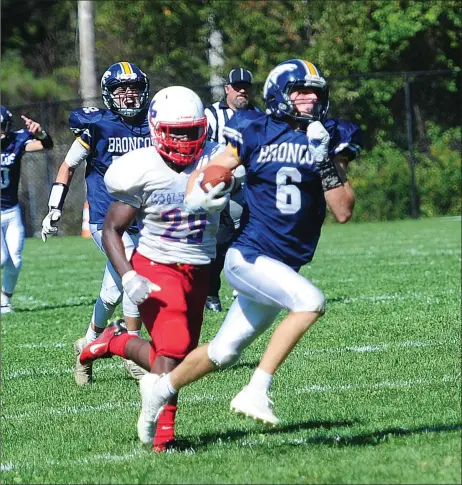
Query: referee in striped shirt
238, 90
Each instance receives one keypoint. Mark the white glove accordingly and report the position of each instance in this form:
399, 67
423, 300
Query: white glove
200, 201
137, 287
48, 223
318, 141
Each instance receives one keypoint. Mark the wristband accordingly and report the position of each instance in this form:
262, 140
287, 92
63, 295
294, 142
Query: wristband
330, 178
45, 138
58, 196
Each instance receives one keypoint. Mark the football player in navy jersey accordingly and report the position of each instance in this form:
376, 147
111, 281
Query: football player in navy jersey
295, 169
14, 145
103, 135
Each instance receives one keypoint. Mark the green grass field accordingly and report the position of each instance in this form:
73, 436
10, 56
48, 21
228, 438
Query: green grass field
371, 395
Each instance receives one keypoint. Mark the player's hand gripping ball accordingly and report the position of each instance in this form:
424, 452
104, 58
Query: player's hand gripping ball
216, 174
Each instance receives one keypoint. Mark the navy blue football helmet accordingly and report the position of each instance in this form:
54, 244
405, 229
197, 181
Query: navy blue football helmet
6, 121
283, 79
125, 74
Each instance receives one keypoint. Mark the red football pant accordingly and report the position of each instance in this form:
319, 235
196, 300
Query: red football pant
173, 316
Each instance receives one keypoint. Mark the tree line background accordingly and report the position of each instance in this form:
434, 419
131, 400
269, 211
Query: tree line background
364, 48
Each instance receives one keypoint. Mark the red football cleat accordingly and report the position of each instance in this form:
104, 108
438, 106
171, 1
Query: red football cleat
99, 348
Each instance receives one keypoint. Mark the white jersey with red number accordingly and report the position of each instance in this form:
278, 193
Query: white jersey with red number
169, 233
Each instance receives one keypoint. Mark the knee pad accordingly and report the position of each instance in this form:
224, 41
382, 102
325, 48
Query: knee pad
222, 355
311, 301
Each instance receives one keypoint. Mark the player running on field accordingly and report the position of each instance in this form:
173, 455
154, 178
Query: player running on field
102, 136
290, 180
175, 247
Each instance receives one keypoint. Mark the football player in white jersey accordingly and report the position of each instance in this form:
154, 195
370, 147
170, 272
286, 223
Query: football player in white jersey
175, 247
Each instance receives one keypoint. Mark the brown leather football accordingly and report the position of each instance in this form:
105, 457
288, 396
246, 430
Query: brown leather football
215, 174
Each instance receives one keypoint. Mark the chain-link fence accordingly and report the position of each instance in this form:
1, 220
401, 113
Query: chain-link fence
413, 103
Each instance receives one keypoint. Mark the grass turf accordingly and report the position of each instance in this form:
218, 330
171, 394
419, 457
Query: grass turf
370, 395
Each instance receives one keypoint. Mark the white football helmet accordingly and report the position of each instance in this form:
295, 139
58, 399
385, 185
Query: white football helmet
178, 124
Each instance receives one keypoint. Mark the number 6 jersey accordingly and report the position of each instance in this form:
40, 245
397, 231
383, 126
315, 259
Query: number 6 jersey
284, 202
169, 233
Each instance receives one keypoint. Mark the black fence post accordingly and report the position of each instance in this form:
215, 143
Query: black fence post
410, 143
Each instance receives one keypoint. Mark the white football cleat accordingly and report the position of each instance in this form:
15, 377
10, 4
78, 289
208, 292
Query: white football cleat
134, 370
151, 406
83, 373
255, 404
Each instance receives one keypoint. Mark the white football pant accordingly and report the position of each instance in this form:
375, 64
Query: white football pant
264, 288
111, 293
11, 247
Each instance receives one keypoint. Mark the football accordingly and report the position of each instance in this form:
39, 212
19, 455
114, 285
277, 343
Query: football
215, 174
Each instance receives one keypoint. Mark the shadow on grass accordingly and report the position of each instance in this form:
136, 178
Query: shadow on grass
234, 435
89, 302
370, 439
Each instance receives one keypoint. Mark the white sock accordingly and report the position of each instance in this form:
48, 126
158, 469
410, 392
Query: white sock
135, 332
261, 380
91, 334
166, 390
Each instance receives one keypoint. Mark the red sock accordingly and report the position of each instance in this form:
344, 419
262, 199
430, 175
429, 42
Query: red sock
165, 430
117, 344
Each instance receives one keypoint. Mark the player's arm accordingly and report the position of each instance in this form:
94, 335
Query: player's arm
227, 158
75, 157
341, 199
118, 219
196, 200
338, 193
43, 140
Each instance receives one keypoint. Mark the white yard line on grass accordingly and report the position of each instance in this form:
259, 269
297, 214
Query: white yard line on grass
362, 348
382, 347
384, 385
410, 344
20, 373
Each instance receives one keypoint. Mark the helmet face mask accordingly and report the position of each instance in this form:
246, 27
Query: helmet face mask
290, 76
178, 124
125, 89
6, 121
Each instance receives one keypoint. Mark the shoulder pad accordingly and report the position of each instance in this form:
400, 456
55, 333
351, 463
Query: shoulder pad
243, 118
81, 118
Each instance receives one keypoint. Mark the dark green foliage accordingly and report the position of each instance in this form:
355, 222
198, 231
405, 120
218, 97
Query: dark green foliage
169, 39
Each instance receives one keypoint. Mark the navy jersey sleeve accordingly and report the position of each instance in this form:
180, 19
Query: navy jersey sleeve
345, 138
240, 132
80, 121
24, 137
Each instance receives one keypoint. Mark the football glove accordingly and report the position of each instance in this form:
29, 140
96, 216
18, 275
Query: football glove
318, 146
49, 223
200, 201
137, 287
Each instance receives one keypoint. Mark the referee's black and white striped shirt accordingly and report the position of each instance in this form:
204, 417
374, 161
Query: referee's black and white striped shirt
218, 114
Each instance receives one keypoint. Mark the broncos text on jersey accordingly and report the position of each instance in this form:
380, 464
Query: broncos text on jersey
284, 202
107, 137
